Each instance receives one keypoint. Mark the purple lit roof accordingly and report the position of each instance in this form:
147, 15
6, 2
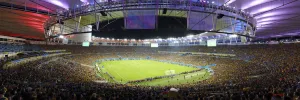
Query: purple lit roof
274, 17
60, 3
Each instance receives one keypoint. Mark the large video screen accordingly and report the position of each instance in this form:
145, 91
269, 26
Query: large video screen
154, 45
195, 23
212, 42
85, 44
140, 19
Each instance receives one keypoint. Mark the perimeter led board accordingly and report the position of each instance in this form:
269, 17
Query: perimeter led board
85, 44
154, 45
212, 43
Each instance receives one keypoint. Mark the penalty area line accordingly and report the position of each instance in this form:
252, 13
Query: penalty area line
122, 78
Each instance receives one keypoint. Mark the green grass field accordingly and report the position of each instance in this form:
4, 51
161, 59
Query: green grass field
127, 70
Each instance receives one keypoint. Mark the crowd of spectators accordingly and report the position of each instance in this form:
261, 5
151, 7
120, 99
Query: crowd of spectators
16, 47
257, 72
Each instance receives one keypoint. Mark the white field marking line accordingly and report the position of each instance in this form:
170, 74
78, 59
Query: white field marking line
138, 66
144, 61
117, 73
133, 63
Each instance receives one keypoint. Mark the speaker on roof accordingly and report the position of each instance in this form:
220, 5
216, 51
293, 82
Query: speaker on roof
103, 13
220, 16
165, 11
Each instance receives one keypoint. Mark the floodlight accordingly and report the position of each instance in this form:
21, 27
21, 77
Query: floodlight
190, 36
233, 36
61, 36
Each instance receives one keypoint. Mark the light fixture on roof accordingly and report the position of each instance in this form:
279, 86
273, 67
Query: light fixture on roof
171, 38
190, 36
58, 3
233, 36
61, 36
230, 1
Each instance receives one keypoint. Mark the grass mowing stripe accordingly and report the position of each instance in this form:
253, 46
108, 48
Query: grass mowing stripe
112, 71
127, 70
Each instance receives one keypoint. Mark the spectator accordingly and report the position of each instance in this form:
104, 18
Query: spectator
2, 93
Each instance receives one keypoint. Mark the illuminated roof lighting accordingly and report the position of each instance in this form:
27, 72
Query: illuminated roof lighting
190, 36
233, 36
61, 36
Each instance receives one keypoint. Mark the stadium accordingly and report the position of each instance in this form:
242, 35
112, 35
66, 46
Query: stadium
149, 50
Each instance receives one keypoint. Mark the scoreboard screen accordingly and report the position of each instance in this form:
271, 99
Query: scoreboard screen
212, 43
85, 44
140, 19
154, 45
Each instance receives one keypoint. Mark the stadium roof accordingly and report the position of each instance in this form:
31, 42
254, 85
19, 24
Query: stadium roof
275, 18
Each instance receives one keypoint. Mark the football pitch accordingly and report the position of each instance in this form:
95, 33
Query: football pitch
123, 71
